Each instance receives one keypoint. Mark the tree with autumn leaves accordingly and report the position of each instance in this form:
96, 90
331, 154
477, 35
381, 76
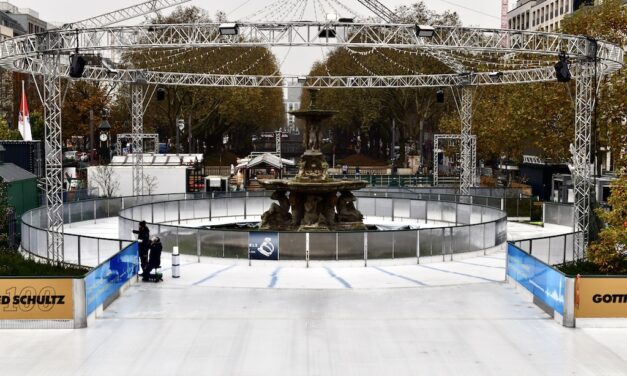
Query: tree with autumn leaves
215, 112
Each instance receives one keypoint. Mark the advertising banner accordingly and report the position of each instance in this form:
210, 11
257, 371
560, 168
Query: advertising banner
601, 298
107, 279
263, 246
541, 280
36, 299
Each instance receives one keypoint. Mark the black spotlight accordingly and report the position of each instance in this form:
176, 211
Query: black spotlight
160, 94
77, 66
439, 95
562, 73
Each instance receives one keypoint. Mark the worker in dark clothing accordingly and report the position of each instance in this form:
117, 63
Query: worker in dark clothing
143, 238
154, 261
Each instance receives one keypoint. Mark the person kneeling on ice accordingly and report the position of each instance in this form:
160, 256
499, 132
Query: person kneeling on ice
154, 259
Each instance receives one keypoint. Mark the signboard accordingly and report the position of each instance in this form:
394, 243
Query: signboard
601, 298
263, 245
36, 299
106, 280
542, 281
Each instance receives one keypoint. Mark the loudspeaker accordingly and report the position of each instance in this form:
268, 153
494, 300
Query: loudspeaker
77, 66
439, 95
160, 94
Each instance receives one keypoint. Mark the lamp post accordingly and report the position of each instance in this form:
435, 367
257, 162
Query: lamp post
105, 129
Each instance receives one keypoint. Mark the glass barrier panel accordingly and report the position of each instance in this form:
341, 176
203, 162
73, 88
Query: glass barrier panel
75, 212
322, 246
146, 213
201, 209
449, 212
108, 248
187, 209
70, 249
418, 209
463, 214
351, 246
102, 208
292, 246
235, 207
366, 206
402, 208
557, 248
380, 245
541, 249
254, 206
460, 240
114, 206
405, 244
169, 238
476, 237
42, 243
158, 211
490, 235
383, 208
219, 208
434, 211
236, 245
212, 243
89, 252
171, 211
188, 241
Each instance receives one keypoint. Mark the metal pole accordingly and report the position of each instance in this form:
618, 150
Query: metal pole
177, 139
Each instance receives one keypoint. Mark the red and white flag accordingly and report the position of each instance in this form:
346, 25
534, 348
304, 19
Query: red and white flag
24, 118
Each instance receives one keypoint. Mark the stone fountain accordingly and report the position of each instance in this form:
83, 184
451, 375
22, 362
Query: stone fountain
312, 201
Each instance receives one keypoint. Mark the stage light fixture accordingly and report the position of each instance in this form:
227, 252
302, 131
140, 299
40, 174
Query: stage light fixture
228, 29
439, 96
326, 33
160, 94
77, 66
425, 31
562, 72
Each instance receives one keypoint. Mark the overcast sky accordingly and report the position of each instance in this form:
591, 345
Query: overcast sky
484, 13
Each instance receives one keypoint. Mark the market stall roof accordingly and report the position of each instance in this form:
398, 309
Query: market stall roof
269, 159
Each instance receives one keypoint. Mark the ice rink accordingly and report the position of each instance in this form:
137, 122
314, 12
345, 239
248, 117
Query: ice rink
223, 317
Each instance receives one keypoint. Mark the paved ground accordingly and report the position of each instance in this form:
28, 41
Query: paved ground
465, 329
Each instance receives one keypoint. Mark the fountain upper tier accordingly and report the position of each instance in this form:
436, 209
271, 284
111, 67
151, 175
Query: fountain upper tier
313, 202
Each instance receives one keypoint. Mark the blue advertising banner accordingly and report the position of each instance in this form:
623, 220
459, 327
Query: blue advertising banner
541, 280
263, 245
107, 279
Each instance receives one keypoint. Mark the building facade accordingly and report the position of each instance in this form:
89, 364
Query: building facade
543, 15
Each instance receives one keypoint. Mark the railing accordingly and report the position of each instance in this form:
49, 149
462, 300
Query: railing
34, 235
464, 226
551, 250
559, 214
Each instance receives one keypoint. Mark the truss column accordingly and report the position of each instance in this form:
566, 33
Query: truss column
137, 109
466, 179
54, 158
582, 171
473, 160
436, 172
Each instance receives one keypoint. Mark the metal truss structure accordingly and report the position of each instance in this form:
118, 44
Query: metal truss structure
436, 150
129, 136
137, 120
465, 113
54, 157
124, 14
40, 54
582, 162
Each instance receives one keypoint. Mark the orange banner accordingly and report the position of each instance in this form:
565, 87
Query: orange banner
36, 299
601, 298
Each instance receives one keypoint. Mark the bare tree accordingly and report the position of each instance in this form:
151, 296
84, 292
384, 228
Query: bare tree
106, 180
151, 183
